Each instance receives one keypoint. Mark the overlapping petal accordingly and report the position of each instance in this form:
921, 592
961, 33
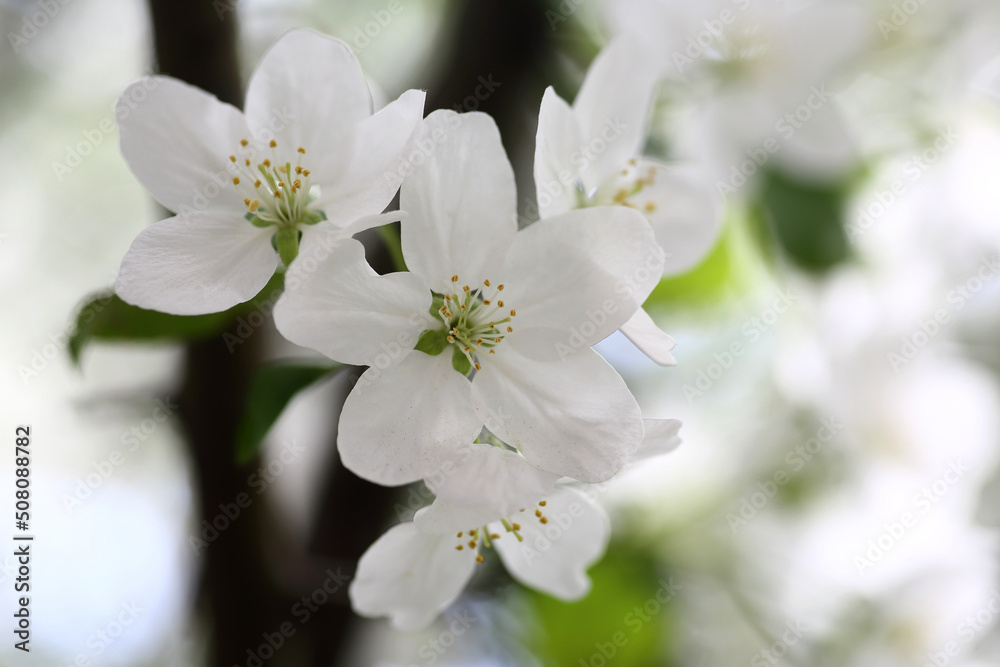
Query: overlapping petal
461, 201
558, 143
652, 341
200, 263
398, 422
573, 417
348, 312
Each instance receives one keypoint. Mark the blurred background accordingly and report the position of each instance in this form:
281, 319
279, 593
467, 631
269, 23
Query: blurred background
837, 497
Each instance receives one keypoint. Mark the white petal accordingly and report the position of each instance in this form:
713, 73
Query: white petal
195, 264
309, 91
611, 107
318, 239
661, 438
686, 213
342, 308
177, 140
575, 278
365, 178
398, 422
573, 417
557, 142
649, 338
554, 556
410, 577
490, 477
461, 201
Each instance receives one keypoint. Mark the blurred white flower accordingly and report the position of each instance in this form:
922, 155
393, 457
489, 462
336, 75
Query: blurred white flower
307, 157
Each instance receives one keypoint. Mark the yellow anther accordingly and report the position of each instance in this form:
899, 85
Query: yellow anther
650, 207
246, 161
516, 526
301, 150
454, 278
459, 534
236, 180
281, 184
538, 513
274, 144
459, 547
479, 558
305, 172
487, 282
297, 183
486, 302
500, 287
266, 162
621, 195
472, 544
465, 288
493, 351
543, 520
513, 313
277, 194
542, 503
298, 169
478, 367
244, 143
283, 168
500, 303
494, 536
232, 158
246, 202
510, 329
254, 205
256, 183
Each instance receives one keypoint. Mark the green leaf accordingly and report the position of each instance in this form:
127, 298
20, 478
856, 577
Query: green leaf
807, 220
106, 317
270, 392
432, 342
460, 362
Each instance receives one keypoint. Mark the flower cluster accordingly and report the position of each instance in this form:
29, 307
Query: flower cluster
493, 396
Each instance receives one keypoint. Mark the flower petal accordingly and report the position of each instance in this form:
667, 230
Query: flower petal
318, 239
410, 577
490, 477
557, 143
649, 338
684, 210
398, 422
309, 91
612, 106
575, 278
177, 141
574, 418
461, 201
554, 556
194, 264
364, 180
443, 517
661, 437
342, 308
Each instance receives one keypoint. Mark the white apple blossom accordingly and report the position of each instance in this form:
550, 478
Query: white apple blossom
520, 308
588, 154
754, 80
306, 158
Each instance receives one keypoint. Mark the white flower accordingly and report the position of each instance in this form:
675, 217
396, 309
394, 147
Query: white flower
416, 569
522, 308
757, 78
587, 154
307, 156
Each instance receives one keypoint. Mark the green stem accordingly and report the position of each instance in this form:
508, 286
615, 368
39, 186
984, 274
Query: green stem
390, 237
